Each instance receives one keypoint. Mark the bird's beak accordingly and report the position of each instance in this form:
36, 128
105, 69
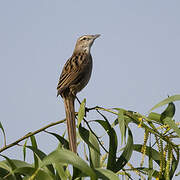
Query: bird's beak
96, 36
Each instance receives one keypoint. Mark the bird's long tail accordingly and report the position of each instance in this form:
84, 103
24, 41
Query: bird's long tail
71, 125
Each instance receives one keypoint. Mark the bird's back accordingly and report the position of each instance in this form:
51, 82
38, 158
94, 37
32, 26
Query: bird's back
76, 73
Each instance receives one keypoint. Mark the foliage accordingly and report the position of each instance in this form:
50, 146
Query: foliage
104, 162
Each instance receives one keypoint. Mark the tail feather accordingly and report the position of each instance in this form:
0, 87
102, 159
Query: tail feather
71, 125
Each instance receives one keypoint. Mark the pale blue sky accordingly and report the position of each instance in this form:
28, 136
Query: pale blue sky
136, 59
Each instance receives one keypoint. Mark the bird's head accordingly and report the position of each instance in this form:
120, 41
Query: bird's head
85, 42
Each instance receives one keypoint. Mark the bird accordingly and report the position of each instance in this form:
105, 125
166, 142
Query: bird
74, 77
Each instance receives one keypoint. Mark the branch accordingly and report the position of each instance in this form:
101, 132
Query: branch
30, 134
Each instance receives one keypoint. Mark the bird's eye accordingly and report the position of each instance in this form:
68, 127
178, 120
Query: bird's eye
84, 38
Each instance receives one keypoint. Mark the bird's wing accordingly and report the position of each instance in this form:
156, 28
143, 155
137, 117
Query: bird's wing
70, 73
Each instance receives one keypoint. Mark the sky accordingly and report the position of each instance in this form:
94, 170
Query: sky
136, 59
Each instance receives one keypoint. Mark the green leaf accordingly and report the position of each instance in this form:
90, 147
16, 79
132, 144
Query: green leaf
43, 175
174, 164
153, 153
153, 172
127, 152
169, 111
24, 150
60, 170
81, 112
94, 154
5, 165
66, 156
61, 139
106, 174
12, 166
77, 173
166, 101
111, 164
87, 138
32, 172
127, 120
19, 163
1, 127
34, 144
150, 163
27, 171
121, 124
9, 177
15, 164
3, 173
172, 125
40, 174
93, 146
10, 162
26, 178
154, 116
178, 173
33, 141
103, 160
41, 155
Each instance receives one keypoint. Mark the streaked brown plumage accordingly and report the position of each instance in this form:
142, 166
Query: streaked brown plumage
74, 77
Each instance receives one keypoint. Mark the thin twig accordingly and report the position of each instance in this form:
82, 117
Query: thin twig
94, 134
87, 110
126, 173
78, 100
30, 134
